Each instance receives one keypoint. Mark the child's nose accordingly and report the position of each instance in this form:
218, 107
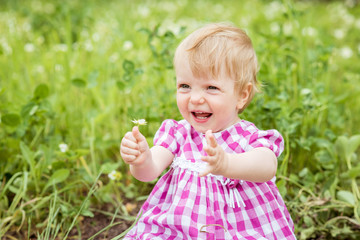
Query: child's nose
197, 98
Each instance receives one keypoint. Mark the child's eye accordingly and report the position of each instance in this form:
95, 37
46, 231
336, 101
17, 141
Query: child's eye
213, 88
184, 86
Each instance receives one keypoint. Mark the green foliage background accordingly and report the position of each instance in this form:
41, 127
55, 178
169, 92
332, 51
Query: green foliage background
78, 72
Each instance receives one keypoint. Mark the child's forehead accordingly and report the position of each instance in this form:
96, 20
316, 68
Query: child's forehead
200, 68
184, 73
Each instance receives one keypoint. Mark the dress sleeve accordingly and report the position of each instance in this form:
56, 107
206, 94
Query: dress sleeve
271, 139
166, 136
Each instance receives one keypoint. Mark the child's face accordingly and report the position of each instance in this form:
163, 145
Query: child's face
206, 103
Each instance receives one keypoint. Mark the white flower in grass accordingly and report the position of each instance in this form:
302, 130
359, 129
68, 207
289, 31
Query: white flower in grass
58, 67
339, 33
88, 46
273, 9
309, 31
128, 45
114, 57
26, 27
29, 47
274, 28
305, 91
96, 37
63, 147
60, 47
114, 175
346, 52
139, 122
288, 28
40, 40
357, 23
143, 11
5, 46
40, 69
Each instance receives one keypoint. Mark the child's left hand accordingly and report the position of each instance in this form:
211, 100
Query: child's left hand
216, 158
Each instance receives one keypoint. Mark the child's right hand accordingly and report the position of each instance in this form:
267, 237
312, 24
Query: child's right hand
134, 148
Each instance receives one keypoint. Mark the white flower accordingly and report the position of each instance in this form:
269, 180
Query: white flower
29, 47
305, 91
348, 18
26, 27
274, 28
5, 46
40, 40
288, 28
139, 122
128, 45
273, 9
114, 175
309, 31
63, 147
114, 57
143, 11
40, 69
339, 33
58, 67
84, 33
346, 52
12, 25
88, 46
96, 37
357, 23
60, 47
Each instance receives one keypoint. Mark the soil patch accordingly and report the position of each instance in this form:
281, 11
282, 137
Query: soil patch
89, 226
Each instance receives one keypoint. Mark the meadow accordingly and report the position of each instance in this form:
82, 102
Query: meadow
74, 74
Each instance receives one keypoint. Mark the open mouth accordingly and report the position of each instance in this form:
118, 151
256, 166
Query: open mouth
201, 115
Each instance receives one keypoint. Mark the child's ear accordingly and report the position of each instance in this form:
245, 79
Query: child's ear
244, 96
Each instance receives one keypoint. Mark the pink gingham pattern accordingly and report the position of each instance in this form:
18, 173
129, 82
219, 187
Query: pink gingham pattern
184, 206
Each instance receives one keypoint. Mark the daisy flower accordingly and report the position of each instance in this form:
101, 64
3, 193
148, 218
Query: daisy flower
63, 147
139, 122
114, 175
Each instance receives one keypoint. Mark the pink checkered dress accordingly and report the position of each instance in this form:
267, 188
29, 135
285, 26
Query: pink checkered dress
183, 205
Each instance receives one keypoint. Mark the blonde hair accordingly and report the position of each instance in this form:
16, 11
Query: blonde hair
221, 50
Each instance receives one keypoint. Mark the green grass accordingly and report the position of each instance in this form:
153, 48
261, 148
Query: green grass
78, 72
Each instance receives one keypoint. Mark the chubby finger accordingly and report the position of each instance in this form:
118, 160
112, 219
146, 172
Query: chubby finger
210, 139
137, 134
129, 144
211, 160
129, 136
210, 151
129, 151
140, 139
205, 159
128, 158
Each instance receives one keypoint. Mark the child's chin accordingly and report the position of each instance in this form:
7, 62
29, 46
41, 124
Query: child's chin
200, 129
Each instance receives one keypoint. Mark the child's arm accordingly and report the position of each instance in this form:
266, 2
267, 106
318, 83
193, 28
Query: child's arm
145, 164
257, 165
